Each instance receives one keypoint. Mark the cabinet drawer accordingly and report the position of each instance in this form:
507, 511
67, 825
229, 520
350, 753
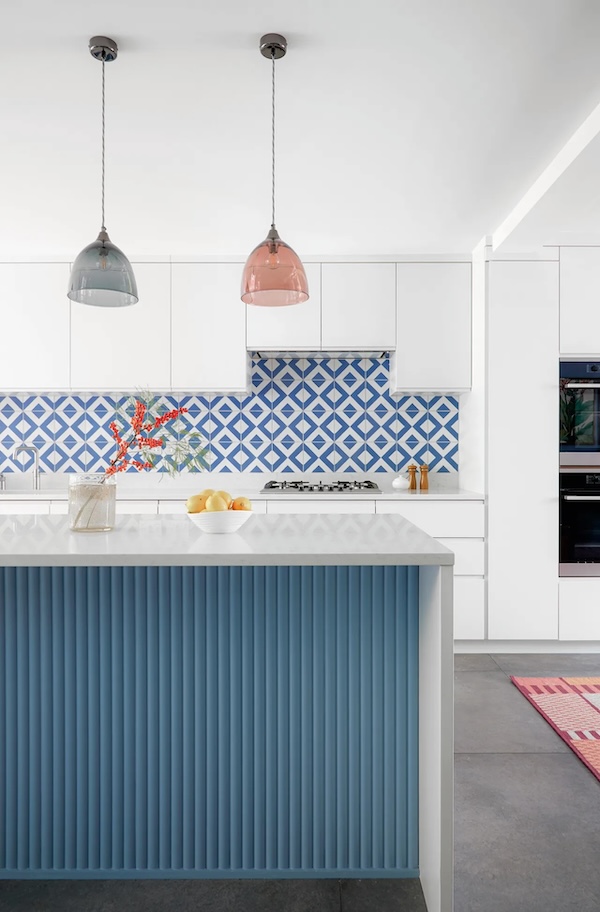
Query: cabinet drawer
469, 608
441, 519
171, 507
59, 508
579, 609
469, 555
23, 507
129, 507
320, 506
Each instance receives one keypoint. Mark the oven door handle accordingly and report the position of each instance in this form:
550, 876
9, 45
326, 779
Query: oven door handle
580, 386
586, 497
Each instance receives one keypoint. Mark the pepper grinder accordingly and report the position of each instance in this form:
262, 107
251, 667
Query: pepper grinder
412, 478
424, 479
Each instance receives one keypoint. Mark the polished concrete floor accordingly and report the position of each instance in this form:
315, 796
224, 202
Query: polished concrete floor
527, 825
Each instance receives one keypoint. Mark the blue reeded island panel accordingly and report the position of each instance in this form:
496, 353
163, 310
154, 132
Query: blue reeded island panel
209, 722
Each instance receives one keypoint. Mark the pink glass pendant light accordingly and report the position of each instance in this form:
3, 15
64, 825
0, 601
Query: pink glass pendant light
273, 274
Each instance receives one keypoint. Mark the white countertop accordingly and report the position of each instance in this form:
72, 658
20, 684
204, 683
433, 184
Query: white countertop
45, 541
147, 487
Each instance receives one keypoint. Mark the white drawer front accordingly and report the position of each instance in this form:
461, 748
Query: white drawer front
320, 506
469, 557
441, 519
469, 608
579, 609
177, 507
130, 507
24, 506
59, 508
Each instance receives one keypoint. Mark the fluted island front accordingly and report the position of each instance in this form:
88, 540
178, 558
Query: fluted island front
273, 703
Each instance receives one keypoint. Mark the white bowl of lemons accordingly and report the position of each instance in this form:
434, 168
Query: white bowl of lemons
217, 511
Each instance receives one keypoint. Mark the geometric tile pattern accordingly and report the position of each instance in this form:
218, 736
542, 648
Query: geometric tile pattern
303, 414
572, 707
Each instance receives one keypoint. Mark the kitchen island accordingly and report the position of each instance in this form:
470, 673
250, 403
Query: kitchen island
272, 703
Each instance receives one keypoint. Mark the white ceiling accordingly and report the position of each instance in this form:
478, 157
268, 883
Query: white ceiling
402, 126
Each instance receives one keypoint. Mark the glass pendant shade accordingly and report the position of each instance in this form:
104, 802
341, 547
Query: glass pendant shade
273, 275
102, 276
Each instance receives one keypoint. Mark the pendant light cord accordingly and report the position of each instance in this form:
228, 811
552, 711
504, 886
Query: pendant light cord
273, 139
103, 225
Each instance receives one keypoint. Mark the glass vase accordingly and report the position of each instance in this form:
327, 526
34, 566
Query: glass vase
92, 500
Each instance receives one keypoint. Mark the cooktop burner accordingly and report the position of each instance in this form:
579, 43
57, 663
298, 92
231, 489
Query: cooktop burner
301, 487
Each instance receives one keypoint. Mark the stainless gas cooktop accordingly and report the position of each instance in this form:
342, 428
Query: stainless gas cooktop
321, 487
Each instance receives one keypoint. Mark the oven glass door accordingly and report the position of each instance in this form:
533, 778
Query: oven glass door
579, 417
580, 524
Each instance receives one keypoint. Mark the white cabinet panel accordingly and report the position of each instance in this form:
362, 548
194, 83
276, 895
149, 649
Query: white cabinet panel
433, 344
448, 519
129, 507
468, 555
579, 609
523, 412
177, 507
579, 296
209, 327
358, 302
34, 339
41, 508
125, 348
294, 328
59, 508
469, 608
314, 506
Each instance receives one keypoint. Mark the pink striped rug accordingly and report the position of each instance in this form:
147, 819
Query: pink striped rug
572, 707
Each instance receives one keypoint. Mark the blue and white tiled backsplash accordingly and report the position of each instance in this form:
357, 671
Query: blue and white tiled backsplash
312, 414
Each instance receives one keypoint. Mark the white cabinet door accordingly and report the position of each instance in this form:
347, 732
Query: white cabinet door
296, 328
579, 296
313, 506
358, 304
433, 337
523, 417
34, 335
469, 608
59, 508
209, 328
125, 348
579, 611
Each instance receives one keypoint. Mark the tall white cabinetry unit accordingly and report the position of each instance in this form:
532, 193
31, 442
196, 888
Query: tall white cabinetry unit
433, 341
34, 340
523, 451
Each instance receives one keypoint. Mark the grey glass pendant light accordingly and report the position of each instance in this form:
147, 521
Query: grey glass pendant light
102, 274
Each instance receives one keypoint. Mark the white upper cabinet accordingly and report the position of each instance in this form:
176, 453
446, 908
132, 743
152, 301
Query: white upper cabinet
358, 306
296, 328
433, 341
34, 341
125, 348
579, 297
209, 327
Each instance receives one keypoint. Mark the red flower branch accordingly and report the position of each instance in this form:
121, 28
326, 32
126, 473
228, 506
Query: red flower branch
139, 438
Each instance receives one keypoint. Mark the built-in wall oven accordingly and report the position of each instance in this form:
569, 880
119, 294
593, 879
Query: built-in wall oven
580, 413
579, 505
579, 523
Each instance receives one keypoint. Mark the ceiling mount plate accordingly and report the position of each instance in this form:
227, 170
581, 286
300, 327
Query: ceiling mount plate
103, 48
273, 45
